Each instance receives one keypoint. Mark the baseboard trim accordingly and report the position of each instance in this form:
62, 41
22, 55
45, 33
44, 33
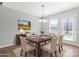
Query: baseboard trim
7, 45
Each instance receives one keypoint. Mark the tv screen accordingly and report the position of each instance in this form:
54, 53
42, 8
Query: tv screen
24, 24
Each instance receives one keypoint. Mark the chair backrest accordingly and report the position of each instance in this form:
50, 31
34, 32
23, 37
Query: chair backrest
23, 42
53, 43
60, 40
18, 41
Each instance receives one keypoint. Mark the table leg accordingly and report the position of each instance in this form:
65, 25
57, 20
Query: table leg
38, 50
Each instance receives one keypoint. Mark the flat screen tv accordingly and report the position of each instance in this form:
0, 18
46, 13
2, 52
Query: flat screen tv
24, 24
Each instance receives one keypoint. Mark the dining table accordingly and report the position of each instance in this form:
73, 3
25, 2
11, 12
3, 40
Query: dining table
37, 40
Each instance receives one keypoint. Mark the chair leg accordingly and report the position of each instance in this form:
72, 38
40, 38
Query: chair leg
62, 47
55, 54
59, 49
34, 52
50, 54
26, 54
21, 52
40, 52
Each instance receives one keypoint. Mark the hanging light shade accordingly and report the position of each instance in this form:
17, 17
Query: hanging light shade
42, 19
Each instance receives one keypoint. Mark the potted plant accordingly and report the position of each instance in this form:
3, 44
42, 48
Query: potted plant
33, 33
42, 32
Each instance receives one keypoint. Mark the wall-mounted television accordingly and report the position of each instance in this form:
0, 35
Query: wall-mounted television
24, 24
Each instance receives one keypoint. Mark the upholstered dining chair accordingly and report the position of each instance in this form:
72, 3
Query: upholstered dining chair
15, 52
25, 48
59, 43
51, 47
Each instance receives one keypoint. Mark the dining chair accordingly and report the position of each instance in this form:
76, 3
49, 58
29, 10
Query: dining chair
51, 47
59, 43
25, 48
15, 52
18, 42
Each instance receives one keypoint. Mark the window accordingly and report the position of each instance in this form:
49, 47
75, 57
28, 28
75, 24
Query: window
68, 28
53, 25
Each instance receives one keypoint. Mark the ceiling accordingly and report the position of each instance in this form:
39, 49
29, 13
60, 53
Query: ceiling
35, 9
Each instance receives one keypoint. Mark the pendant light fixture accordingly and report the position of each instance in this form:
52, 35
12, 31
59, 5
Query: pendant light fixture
42, 19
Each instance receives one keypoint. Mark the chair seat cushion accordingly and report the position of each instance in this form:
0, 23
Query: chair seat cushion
28, 48
47, 47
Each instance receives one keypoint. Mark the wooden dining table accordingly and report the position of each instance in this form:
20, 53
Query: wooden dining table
38, 40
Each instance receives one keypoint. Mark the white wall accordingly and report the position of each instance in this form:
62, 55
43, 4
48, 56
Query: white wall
74, 13
8, 24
